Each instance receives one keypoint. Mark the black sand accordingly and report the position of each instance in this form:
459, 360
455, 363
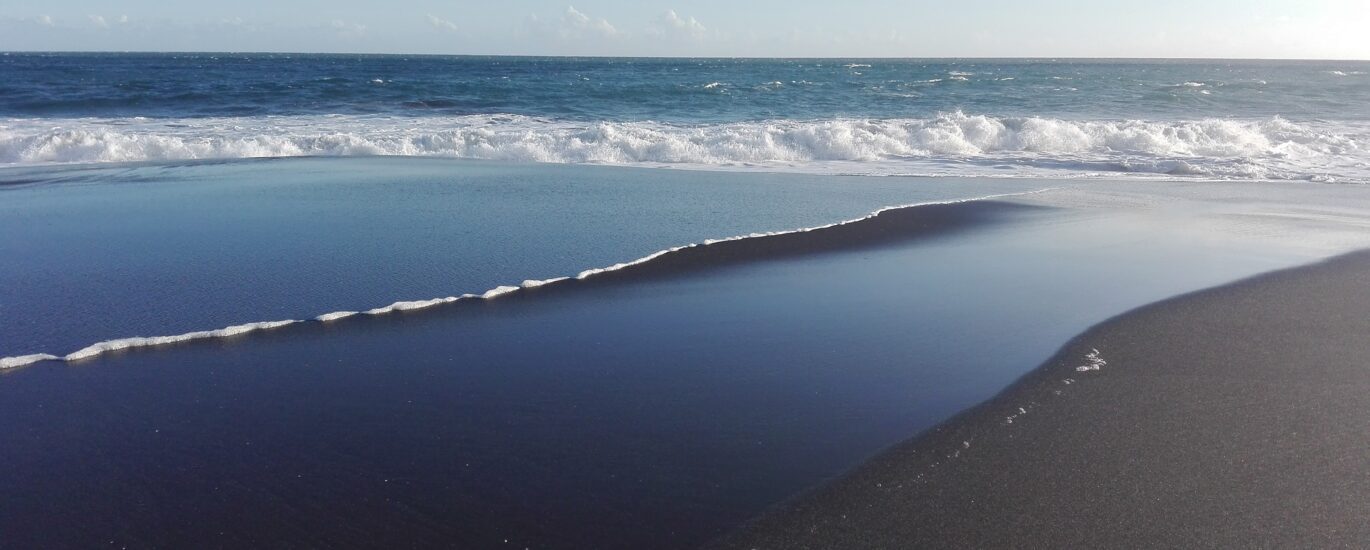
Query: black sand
1232, 417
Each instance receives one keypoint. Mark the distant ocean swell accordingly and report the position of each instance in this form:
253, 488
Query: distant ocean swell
802, 240
952, 143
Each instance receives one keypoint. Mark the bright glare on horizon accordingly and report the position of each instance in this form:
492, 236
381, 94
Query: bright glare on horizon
1315, 29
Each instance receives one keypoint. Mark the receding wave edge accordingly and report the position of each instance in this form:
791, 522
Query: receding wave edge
103, 347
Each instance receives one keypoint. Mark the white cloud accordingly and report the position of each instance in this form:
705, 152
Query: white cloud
440, 23
672, 23
576, 30
45, 20
348, 29
576, 24
99, 21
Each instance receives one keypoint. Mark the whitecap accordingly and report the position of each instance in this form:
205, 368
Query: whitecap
953, 143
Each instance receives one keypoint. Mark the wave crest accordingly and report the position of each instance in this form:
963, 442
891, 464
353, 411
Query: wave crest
949, 144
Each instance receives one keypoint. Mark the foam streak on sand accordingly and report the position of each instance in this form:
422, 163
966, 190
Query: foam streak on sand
100, 348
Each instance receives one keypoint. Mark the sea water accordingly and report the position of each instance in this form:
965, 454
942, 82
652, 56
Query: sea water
1301, 120
652, 412
648, 412
97, 253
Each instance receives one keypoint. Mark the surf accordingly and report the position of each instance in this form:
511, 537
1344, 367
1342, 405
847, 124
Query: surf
954, 143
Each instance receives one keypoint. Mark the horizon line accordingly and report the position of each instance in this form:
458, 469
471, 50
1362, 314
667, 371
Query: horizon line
733, 57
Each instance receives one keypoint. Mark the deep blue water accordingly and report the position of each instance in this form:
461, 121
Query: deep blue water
671, 90
1034, 118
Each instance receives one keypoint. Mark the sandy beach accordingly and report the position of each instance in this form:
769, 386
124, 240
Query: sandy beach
667, 276
1230, 417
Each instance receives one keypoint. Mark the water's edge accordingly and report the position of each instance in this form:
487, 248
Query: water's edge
944, 442
782, 239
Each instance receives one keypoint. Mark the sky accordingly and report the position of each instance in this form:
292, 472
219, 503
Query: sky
1306, 29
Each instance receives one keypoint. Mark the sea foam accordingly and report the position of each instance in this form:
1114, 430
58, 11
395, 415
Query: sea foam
145, 341
107, 346
949, 144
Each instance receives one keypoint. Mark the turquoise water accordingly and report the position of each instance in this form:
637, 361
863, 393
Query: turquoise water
1025, 118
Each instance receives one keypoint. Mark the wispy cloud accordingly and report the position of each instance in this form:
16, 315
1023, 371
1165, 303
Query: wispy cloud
672, 24
99, 21
440, 23
575, 23
344, 28
574, 32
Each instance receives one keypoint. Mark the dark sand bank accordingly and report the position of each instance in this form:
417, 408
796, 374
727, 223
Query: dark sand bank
1233, 417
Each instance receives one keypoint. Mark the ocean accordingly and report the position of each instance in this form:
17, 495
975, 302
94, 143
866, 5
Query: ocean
1268, 120
414, 301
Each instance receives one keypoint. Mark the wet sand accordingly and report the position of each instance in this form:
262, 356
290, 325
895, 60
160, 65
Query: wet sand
1237, 416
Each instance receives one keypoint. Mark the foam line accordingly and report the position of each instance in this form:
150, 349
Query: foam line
534, 283
409, 305
498, 291
948, 144
146, 341
334, 316
19, 361
107, 346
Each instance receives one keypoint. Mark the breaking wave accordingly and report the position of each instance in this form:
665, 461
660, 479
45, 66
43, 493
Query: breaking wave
954, 143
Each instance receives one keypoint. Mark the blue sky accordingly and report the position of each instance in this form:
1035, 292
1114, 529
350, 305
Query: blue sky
852, 28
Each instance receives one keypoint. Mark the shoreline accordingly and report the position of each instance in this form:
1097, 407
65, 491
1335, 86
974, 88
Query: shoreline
1230, 416
827, 168
885, 225
715, 381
